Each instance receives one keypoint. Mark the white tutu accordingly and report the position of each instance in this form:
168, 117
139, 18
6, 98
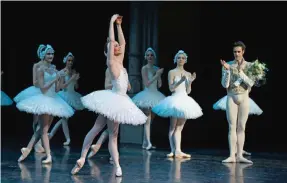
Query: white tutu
43, 104
72, 98
116, 107
148, 98
254, 108
179, 105
28, 92
5, 99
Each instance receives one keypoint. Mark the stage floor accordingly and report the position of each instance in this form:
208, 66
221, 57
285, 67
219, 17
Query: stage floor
140, 166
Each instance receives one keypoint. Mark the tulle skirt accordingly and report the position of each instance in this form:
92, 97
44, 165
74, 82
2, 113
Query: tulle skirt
148, 98
28, 92
114, 106
5, 99
179, 105
73, 98
43, 104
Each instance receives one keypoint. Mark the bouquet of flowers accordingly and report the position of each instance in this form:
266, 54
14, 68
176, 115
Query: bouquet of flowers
257, 72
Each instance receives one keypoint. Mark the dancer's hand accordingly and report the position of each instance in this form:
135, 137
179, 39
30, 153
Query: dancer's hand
224, 64
119, 20
240, 68
62, 72
65, 71
58, 76
129, 87
183, 78
193, 76
75, 76
114, 17
159, 71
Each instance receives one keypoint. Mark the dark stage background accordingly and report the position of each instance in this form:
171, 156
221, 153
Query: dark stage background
204, 30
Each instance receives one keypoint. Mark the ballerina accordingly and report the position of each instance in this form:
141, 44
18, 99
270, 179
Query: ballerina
114, 104
150, 96
34, 90
47, 104
68, 94
179, 106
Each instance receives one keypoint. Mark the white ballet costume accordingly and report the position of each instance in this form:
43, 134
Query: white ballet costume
5, 99
178, 105
115, 104
26, 93
46, 103
253, 107
72, 97
149, 97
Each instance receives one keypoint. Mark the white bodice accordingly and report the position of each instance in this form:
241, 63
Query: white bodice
180, 88
71, 86
48, 78
152, 86
120, 85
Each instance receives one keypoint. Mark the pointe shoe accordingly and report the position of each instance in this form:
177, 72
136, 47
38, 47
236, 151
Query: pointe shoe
94, 150
39, 148
148, 147
243, 160
182, 155
170, 155
119, 172
25, 152
47, 160
67, 142
78, 166
229, 160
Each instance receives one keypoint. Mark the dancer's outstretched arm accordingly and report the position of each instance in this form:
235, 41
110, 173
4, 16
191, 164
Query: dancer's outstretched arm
121, 36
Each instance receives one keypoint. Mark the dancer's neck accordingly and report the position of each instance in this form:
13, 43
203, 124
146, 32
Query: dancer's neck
239, 61
46, 63
149, 65
180, 68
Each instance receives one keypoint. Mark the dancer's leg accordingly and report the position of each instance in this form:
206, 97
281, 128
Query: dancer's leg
177, 139
55, 129
243, 114
231, 114
95, 148
98, 126
113, 128
147, 129
66, 131
45, 125
172, 126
